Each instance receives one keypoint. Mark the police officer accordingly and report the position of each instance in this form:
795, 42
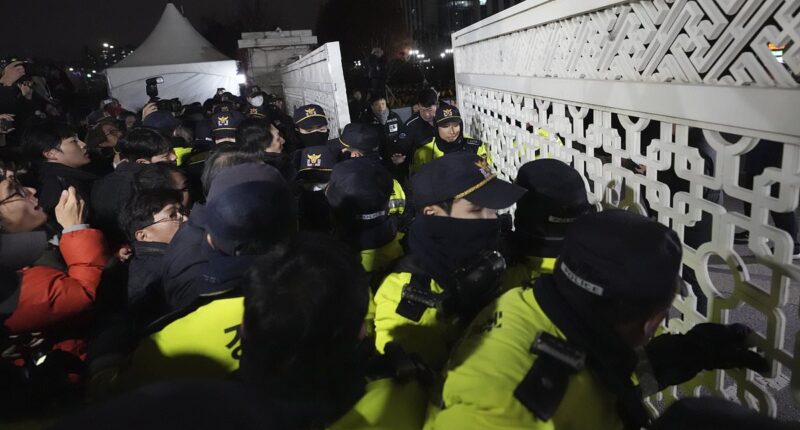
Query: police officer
561, 354
256, 103
363, 141
449, 138
249, 212
358, 193
556, 197
313, 173
450, 271
224, 121
312, 125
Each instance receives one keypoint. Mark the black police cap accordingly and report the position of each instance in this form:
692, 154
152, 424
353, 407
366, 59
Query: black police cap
446, 114
257, 112
359, 136
556, 197
244, 202
620, 255
462, 175
309, 116
317, 158
360, 187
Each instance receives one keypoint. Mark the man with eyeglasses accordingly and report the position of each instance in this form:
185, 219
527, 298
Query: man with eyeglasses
249, 212
150, 221
141, 146
58, 286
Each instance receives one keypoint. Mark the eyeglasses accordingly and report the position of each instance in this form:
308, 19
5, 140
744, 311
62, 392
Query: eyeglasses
18, 191
178, 216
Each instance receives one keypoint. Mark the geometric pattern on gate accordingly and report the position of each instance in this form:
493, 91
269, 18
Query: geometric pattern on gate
676, 174
717, 42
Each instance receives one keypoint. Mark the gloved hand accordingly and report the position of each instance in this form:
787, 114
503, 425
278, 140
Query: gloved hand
677, 358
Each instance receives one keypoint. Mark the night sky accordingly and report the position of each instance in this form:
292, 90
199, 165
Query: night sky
59, 29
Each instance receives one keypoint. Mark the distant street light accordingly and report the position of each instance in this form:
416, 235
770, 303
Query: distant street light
105, 45
71, 69
442, 55
111, 46
88, 75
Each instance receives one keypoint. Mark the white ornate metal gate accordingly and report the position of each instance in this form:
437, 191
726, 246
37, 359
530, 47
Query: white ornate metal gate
657, 104
318, 78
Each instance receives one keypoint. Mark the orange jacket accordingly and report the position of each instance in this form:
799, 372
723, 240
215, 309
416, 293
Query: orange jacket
48, 297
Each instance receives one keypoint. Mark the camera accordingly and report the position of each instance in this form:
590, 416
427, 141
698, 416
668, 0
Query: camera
171, 105
151, 86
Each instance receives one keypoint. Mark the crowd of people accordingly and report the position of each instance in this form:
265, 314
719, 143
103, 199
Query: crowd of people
227, 265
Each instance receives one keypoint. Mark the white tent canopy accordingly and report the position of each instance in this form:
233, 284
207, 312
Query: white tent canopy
191, 67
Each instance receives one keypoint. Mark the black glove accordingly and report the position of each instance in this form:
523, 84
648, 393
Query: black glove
677, 358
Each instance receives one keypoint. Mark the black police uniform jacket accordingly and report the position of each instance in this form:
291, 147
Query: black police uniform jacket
391, 132
418, 132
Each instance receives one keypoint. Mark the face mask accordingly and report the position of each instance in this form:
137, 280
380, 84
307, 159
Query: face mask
383, 116
316, 138
445, 244
257, 101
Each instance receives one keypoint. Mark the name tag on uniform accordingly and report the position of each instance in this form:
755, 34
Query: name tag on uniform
392, 128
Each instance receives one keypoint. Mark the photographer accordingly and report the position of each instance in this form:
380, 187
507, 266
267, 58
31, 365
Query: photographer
30, 107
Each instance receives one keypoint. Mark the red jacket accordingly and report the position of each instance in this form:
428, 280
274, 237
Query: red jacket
49, 297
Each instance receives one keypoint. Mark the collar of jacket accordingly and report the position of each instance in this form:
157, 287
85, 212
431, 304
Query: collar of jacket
127, 166
198, 216
372, 234
64, 171
529, 245
149, 248
448, 147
